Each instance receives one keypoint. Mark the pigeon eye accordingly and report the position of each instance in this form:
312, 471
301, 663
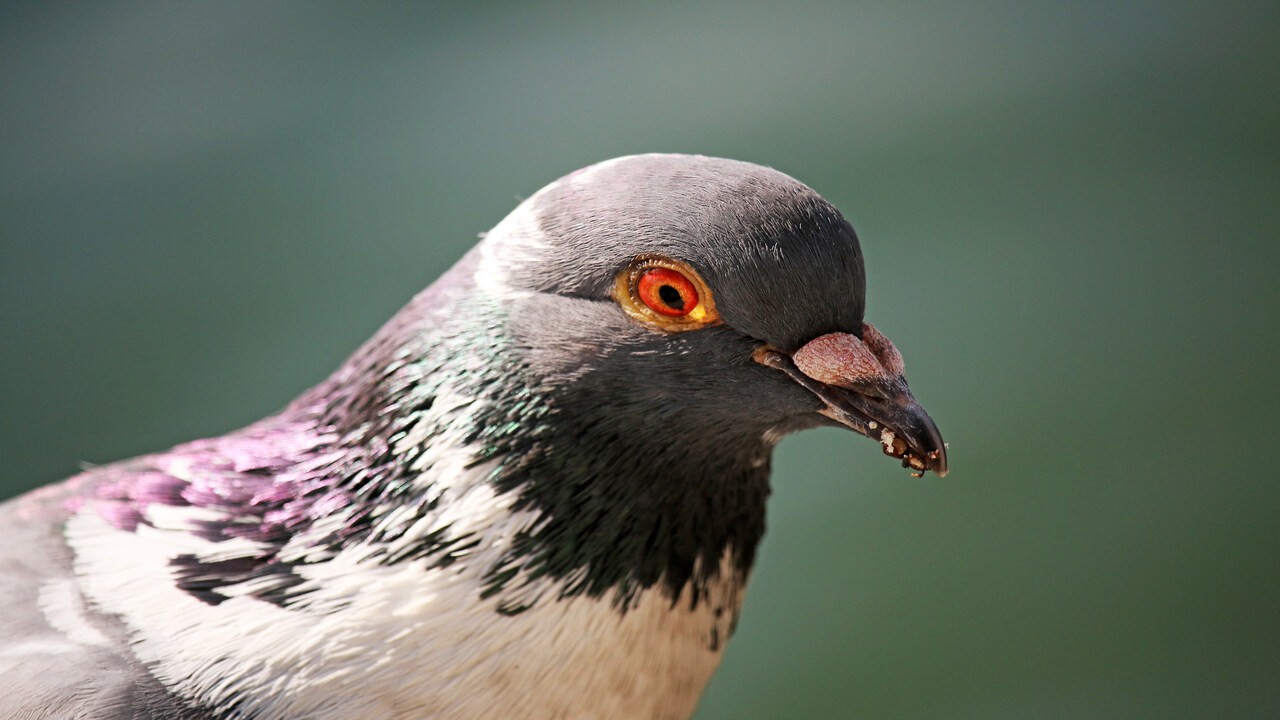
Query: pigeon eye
666, 293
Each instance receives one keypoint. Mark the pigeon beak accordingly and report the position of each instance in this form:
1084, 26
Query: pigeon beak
862, 384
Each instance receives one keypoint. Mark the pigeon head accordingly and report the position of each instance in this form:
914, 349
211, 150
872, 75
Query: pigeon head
712, 299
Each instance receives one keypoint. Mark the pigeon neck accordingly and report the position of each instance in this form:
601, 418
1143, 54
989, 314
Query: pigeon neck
623, 502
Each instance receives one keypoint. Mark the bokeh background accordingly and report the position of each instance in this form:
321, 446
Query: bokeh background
1069, 212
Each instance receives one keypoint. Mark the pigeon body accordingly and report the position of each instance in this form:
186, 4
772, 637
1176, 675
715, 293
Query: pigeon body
536, 492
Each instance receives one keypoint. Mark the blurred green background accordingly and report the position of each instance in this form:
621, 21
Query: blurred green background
1069, 211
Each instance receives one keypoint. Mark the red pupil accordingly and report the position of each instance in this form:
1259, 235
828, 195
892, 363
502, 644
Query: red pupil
667, 292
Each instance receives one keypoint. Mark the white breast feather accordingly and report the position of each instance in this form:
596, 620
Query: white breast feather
405, 641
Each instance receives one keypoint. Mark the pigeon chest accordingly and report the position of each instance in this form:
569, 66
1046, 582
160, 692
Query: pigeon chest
406, 641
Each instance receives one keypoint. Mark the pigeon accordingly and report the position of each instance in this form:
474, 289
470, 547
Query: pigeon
536, 492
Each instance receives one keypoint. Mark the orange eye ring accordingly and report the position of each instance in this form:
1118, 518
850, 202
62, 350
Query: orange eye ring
665, 293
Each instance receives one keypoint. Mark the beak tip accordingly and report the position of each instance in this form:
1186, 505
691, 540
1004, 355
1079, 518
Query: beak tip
938, 455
